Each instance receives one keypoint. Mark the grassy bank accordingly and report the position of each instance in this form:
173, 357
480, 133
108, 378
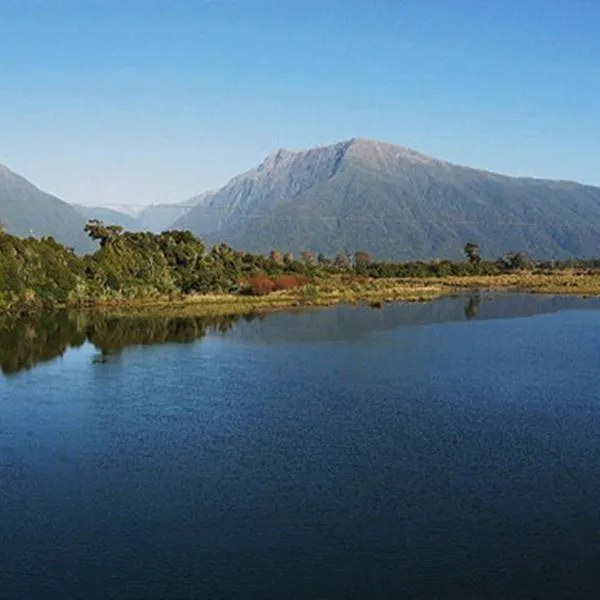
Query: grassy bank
346, 289
321, 294
175, 272
349, 290
563, 282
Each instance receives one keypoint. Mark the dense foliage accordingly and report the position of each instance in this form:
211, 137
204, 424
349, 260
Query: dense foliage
41, 273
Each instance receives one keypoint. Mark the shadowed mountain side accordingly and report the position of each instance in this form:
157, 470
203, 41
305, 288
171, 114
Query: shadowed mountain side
396, 204
27, 211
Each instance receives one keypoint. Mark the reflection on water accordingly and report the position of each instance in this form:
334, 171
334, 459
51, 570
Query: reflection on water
472, 307
442, 450
357, 323
25, 343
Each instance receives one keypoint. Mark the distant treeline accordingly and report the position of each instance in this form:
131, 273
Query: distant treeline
41, 273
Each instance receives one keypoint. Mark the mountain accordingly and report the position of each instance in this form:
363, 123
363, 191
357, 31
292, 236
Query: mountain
108, 216
159, 217
27, 211
397, 204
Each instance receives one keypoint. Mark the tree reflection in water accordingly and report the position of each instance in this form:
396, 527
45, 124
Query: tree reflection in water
472, 307
25, 343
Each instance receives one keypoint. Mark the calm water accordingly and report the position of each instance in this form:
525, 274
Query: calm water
444, 450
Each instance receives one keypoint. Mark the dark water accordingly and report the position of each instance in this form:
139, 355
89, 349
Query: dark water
443, 450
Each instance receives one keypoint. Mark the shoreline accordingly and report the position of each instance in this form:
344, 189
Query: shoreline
310, 296
342, 290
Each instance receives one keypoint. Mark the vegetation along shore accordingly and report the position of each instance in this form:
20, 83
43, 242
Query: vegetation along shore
174, 272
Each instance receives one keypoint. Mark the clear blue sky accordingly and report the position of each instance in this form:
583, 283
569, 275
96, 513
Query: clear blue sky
117, 101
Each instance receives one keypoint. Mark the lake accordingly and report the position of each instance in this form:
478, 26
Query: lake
441, 450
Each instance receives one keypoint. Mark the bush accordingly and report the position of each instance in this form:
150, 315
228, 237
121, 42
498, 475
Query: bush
260, 285
289, 282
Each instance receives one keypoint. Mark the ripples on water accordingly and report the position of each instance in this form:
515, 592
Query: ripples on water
442, 450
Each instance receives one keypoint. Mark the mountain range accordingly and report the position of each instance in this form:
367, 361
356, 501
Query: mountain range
27, 211
108, 215
159, 217
397, 204
389, 200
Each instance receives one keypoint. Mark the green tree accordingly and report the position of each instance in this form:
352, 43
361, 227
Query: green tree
362, 260
341, 261
276, 257
472, 253
104, 234
308, 258
514, 261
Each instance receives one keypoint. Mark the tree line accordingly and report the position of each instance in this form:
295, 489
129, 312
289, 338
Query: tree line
41, 273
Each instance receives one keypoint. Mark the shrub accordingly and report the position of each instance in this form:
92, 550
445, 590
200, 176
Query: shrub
260, 285
289, 282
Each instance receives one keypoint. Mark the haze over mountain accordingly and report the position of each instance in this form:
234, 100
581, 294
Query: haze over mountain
27, 211
108, 215
158, 217
359, 194
397, 204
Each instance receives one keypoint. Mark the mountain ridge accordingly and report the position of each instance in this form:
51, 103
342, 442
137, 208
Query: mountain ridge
108, 215
25, 210
396, 203
389, 200
159, 217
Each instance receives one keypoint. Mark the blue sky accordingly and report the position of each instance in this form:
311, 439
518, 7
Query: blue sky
134, 102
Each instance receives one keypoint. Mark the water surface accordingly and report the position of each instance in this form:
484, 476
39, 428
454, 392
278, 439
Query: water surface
442, 450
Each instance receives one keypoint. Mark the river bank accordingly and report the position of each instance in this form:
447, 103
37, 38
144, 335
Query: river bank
344, 290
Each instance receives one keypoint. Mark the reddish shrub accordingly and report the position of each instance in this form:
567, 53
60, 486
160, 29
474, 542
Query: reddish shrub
260, 285
289, 282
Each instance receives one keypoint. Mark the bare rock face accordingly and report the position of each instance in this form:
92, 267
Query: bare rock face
395, 203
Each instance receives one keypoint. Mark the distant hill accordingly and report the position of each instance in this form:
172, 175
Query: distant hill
27, 211
397, 204
108, 216
160, 217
